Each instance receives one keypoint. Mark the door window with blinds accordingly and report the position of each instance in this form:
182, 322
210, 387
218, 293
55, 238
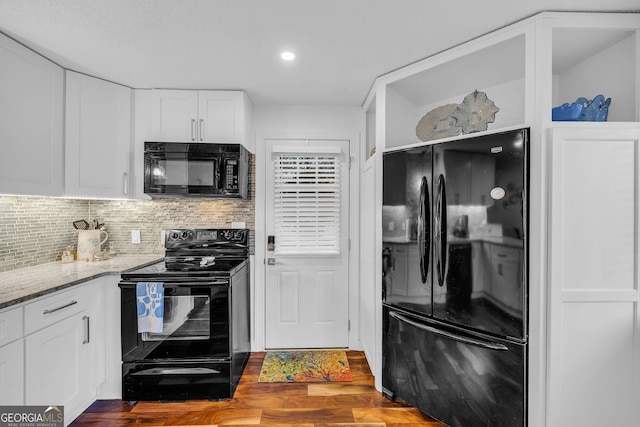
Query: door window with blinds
307, 204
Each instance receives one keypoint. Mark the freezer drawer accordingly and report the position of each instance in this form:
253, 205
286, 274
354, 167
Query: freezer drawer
459, 378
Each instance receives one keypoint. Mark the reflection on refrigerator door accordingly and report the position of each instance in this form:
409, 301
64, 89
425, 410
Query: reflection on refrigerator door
460, 378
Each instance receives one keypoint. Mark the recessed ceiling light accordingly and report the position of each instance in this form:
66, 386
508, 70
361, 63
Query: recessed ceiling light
287, 56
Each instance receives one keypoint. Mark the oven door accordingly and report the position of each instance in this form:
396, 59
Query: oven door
195, 323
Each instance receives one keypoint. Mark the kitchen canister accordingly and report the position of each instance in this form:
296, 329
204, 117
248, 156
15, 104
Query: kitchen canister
89, 242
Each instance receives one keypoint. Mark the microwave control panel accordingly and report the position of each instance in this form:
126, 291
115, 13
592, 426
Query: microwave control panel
231, 174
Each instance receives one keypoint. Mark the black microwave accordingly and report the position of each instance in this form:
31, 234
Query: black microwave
176, 169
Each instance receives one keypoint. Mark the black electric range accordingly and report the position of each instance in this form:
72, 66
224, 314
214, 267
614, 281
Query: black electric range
204, 341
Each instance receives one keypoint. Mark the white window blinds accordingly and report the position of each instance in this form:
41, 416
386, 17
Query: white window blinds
307, 204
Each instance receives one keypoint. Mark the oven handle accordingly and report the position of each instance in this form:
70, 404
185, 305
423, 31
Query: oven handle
176, 371
186, 283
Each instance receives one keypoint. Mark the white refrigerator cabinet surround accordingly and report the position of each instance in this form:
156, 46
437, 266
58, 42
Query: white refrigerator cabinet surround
31, 122
97, 137
201, 116
65, 354
528, 68
594, 300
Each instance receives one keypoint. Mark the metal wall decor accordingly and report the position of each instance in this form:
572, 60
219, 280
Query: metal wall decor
473, 115
438, 123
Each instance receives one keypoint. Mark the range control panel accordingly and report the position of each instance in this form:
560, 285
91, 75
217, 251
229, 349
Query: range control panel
209, 235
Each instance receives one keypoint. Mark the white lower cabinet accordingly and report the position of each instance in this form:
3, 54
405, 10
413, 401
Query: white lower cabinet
112, 386
58, 359
12, 373
11, 357
65, 356
593, 375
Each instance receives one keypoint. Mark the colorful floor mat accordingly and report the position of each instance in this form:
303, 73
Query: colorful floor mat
305, 366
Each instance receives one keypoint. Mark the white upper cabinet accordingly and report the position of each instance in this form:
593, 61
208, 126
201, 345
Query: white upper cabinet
202, 116
97, 138
174, 115
31, 118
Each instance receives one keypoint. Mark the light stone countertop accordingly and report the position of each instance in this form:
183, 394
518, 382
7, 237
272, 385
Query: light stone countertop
27, 283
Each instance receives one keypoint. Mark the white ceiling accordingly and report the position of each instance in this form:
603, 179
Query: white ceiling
341, 45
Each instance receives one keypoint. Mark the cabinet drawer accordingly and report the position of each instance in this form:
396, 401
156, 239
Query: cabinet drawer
504, 255
11, 325
60, 305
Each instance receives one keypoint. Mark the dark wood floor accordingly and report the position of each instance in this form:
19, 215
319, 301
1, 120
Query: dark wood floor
343, 404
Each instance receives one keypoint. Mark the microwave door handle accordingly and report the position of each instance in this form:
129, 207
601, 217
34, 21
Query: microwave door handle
219, 163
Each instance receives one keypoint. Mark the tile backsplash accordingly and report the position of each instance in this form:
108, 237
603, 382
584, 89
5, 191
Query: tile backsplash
35, 230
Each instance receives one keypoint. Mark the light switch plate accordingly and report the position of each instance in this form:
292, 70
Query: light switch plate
135, 236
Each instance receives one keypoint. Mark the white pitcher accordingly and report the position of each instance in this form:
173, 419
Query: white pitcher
89, 242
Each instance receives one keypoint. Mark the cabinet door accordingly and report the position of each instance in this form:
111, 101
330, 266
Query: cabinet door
95, 324
31, 122
58, 364
458, 173
594, 333
482, 180
220, 116
399, 270
98, 137
174, 115
12, 373
506, 280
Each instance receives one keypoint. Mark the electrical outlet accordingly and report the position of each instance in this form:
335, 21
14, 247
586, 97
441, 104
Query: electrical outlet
135, 236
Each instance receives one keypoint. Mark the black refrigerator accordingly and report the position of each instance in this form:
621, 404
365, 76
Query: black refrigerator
455, 288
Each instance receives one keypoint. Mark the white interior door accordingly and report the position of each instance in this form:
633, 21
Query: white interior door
307, 271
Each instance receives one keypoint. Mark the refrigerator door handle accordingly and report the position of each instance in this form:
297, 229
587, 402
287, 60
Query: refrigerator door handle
424, 225
441, 232
465, 340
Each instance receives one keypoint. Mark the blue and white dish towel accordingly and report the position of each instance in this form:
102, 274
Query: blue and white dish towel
150, 302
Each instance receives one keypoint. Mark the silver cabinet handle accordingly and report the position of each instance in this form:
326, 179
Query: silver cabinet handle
87, 334
125, 183
193, 129
201, 130
53, 310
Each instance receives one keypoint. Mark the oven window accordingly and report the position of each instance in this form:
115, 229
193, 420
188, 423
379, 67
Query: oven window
186, 317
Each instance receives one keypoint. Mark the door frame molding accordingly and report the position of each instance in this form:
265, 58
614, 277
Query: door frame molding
258, 297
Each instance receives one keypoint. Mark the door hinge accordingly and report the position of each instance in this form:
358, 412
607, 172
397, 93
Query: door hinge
351, 159
349, 325
349, 243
